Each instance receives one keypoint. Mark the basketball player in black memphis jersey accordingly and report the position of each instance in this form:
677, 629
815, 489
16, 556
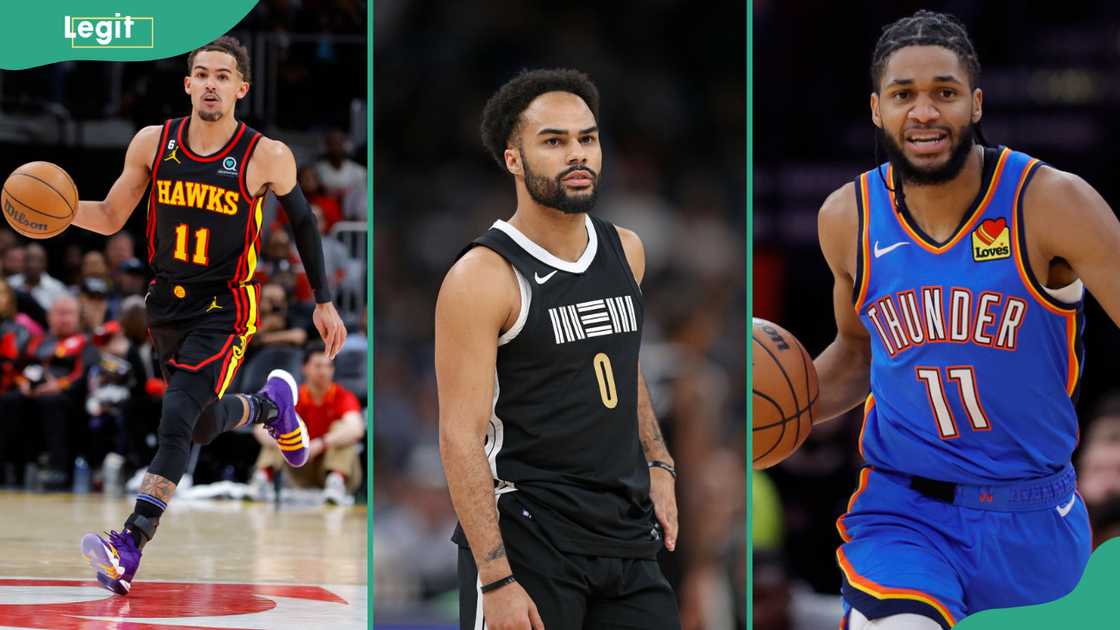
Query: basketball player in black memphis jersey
209, 174
542, 409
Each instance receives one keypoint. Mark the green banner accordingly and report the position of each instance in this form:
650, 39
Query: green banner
1091, 605
40, 33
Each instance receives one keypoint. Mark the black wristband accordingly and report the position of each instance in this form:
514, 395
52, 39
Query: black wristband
496, 584
656, 463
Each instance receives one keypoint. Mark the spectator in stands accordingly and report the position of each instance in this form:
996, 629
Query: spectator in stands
35, 279
95, 265
53, 388
148, 386
334, 426
335, 256
275, 327
317, 195
342, 176
14, 341
119, 249
280, 265
93, 299
14, 258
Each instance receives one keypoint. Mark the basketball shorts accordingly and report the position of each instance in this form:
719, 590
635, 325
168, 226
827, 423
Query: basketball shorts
571, 592
913, 545
202, 330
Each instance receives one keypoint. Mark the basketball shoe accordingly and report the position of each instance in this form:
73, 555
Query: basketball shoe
115, 558
285, 426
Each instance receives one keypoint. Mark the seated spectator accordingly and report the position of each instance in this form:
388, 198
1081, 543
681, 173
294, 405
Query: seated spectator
110, 382
53, 388
35, 279
119, 249
334, 426
280, 264
146, 398
13, 262
276, 326
94, 265
14, 341
316, 196
342, 176
93, 296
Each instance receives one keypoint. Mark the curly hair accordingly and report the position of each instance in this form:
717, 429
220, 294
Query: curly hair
925, 28
229, 45
502, 114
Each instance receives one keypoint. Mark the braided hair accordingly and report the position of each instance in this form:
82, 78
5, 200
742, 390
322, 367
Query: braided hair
925, 28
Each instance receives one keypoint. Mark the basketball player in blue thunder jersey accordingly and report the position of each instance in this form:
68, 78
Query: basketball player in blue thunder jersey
209, 174
959, 273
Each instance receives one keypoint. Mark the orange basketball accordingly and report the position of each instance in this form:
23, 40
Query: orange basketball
39, 200
785, 391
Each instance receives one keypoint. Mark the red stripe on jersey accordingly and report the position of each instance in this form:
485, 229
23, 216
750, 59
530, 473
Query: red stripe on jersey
152, 194
210, 158
242, 270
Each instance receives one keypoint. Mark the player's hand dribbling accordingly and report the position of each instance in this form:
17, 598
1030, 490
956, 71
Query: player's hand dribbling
510, 608
663, 493
330, 328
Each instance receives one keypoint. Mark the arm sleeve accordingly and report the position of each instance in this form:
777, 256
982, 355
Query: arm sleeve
308, 243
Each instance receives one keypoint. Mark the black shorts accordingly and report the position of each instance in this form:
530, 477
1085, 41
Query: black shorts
202, 330
571, 591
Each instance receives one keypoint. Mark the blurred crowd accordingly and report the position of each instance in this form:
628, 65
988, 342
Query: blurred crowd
673, 130
1052, 99
80, 384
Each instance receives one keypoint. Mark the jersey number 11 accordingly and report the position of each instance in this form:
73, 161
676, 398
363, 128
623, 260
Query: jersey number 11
965, 377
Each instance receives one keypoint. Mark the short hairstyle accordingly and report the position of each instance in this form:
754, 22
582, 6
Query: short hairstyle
502, 114
312, 348
925, 28
229, 45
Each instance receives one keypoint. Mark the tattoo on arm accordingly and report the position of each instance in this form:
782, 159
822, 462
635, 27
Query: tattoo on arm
158, 487
496, 552
649, 432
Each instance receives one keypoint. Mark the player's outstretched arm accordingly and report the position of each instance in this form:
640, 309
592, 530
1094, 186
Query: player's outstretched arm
109, 215
273, 165
844, 368
1067, 220
476, 300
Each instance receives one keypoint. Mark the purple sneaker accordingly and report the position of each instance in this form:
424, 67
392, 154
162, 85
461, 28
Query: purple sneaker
287, 428
115, 559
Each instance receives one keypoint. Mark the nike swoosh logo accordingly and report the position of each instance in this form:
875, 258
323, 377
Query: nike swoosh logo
543, 279
1064, 509
888, 249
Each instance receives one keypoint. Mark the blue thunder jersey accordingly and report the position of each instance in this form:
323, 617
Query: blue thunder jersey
974, 364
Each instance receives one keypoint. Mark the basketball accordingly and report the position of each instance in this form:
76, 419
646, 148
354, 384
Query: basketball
39, 200
785, 390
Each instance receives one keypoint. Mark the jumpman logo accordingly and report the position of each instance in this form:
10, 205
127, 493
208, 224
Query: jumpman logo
173, 156
214, 306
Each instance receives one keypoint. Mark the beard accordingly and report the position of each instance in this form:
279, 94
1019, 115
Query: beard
210, 116
929, 176
551, 193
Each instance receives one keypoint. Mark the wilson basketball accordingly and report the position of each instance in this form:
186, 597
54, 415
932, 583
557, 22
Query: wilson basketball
785, 390
39, 200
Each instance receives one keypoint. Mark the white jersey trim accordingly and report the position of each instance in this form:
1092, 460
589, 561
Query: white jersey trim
526, 296
1069, 294
543, 255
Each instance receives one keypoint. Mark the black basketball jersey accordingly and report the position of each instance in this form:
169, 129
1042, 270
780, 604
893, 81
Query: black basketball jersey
203, 225
564, 429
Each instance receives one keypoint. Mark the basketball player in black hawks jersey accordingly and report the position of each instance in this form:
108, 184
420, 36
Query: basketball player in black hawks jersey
209, 175
562, 483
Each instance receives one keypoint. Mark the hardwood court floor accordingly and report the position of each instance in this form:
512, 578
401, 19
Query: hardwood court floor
211, 565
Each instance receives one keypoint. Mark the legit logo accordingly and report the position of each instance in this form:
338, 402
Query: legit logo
110, 32
991, 241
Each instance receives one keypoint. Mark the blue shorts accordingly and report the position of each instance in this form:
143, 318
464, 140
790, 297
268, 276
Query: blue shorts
976, 548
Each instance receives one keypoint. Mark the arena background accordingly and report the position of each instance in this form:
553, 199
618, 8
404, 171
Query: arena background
672, 78
308, 79
1049, 90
